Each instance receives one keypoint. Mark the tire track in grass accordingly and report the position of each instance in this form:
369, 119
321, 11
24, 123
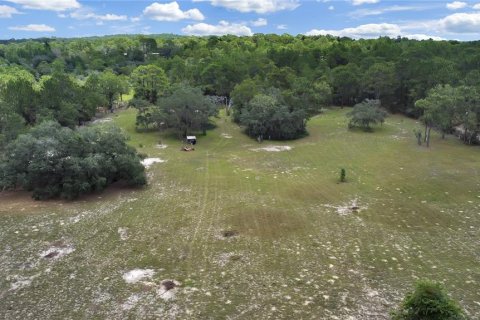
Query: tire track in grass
216, 151
206, 190
207, 234
251, 192
250, 244
207, 205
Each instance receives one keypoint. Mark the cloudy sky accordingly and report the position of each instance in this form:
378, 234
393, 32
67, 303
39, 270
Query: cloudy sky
353, 18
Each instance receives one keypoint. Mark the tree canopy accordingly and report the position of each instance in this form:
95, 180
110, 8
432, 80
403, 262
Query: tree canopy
446, 107
309, 71
149, 82
365, 114
109, 85
54, 161
185, 110
267, 116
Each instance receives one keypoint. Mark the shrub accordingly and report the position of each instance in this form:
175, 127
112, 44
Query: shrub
429, 301
343, 175
53, 161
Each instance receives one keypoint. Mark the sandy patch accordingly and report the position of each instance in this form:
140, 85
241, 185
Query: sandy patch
161, 146
273, 148
98, 121
131, 302
147, 162
347, 208
57, 252
135, 275
226, 136
123, 233
22, 282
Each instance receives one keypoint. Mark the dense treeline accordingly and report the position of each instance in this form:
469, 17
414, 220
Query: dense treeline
302, 74
447, 107
26, 101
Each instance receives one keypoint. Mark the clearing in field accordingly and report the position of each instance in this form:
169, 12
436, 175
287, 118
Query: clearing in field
241, 230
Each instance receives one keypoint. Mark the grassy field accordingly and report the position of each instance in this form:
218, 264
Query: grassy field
248, 233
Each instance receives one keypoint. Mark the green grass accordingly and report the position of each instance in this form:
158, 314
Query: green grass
295, 255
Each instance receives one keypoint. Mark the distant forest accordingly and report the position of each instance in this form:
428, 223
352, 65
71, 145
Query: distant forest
68, 79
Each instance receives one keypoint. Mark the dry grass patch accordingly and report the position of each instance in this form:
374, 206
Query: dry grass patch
268, 222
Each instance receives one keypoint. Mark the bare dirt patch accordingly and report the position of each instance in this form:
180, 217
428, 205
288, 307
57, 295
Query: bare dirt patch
21, 282
19, 202
100, 121
273, 148
123, 233
347, 208
136, 275
147, 162
226, 136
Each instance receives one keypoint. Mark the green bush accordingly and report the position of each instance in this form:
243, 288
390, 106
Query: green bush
267, 116
54, 161
343, 175
429, 301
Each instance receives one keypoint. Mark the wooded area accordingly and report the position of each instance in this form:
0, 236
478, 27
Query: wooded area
68, 79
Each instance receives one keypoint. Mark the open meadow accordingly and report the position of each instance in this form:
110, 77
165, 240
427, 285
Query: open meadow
243, 230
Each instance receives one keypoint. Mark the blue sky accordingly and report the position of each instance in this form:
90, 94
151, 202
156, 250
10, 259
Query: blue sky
354, 18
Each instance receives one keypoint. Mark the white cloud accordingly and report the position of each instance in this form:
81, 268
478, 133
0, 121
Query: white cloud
331, 8
34, 28
171, 12
360, 2
258, 6
372, 30
476, 6
260, 22
455, 24
222, 28
360, 13
87, 15
7, 11
111, 17
461, 23
53, 5
418, 36
282, 27
455, 5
